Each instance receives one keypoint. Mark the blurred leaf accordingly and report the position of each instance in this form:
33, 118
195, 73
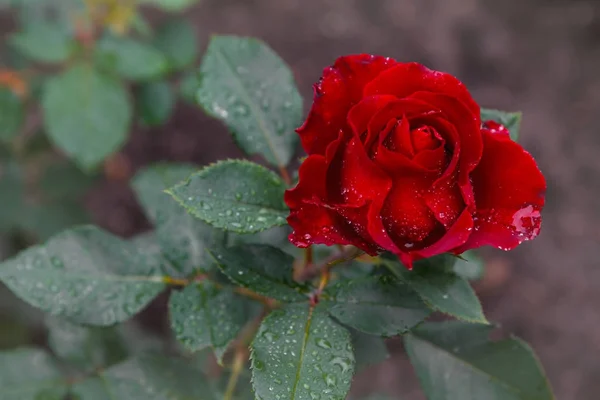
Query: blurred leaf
44, 42
64, 181
130, 58
511, 120
156, 103
188, 87
86, 349
147, 377
14, 331
203, 315
181, 237
368, 350
86, 114
177, 40
379, 305
234, 195
437, 284
11, 195
470, 266
457, 361
300, 353
30, 374
250, 88
263, 269
85, 275
170, 5
47, 219
11, 114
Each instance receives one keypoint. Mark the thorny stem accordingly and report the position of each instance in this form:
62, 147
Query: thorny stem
312, 271
238, 364
285, 176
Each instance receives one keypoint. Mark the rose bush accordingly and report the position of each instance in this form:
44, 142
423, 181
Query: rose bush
400, 161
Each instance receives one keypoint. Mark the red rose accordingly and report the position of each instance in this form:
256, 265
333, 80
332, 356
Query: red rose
399, 161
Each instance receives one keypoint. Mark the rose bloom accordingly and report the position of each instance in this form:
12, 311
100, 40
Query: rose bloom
400, 161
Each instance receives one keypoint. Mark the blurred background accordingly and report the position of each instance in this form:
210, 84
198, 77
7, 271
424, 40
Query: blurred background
541, 57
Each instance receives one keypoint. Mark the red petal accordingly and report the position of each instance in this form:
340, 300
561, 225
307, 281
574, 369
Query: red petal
454, 237
407, 78
360, 114
509, 193
339, 89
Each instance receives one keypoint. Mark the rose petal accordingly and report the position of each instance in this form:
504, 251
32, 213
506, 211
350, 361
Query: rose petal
338, 90
457, 235
311, 182
407, 78
360, 114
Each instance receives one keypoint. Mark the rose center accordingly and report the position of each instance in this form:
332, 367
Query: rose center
411, 141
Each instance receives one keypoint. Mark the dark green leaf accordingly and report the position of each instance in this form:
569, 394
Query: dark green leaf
155, 102
85, 275
147, 377
177, 40
457, 361
368, 350
45, 42
188, 86
234, 195
64, 181
203, 315
30, 374
247, 86
300, 353
11, 114
379, 305
470, 266
87, 349
43, 221
86, 114
130, 58
182, 237
263, 269
511, 120
170, 5
11, 195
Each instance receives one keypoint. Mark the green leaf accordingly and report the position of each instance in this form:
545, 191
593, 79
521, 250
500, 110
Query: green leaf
30, 374
170, 5
300, 353
203, 315
44, 220
12, 194
11, 114
457, 361
368, 350
250, 88
156, 103
44, 42
181, 237
469, 266
85, 275
437, 284
86, 114
188, 86
86, 349
177, 40
511, 120
64, 181
130, 58
234, 195
378, 305
265, 270
147, 377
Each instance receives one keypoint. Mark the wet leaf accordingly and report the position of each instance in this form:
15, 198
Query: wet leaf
86, 114
234, 195
511, 120
177, 40
368, 350
457, 361
248, 87
11, 114
156, 103
85, 275
300, 353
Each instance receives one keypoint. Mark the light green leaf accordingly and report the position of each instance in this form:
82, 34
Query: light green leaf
378, 305
441, 289
85, 275
265, 270
30, 374
11, 114
511, 120
147, 377
300, 353
170, 5
250, 88
470, 266
181, 237
86, 114
177, 40
234, 195
368, 350
457, 361
86, 349
203, 315
156, 103
130, 58
44, 42
188, 86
